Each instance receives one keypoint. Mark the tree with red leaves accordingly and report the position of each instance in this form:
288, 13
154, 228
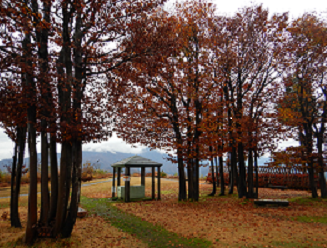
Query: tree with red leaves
63, 49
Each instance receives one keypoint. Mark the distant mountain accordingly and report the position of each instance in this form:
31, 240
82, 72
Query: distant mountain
106, 159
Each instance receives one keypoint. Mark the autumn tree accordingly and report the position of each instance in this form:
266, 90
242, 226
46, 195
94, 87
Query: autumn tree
305, 95
168, 102
63, 91
13, 120
250, 59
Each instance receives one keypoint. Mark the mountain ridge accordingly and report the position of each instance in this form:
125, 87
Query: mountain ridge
108, 158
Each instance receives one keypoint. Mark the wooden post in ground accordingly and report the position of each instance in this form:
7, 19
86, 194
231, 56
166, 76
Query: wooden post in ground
153, 183
113, 182
143, 176
118, 176
127, 185
158, 183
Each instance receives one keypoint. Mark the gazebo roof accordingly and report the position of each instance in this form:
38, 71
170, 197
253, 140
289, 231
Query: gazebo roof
136, 161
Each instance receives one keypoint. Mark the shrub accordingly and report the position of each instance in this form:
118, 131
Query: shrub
163, 174
101, 172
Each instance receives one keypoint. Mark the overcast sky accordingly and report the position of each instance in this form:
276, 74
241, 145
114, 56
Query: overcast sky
295, 8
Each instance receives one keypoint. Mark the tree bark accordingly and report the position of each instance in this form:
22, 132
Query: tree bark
54, 177
44, 176
76, 177
181, 177
213, 177
222, 181
14, 217
322, 179
31, 117
250, 174
190, 177
45, 99
234, 173
308, 144
65, 104
217, 174
256, 174
241, 179
64, 186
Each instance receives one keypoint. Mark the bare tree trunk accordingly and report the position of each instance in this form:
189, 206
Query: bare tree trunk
308, 144
213, 176
64, 186
322, 180
77, 140
14, 217
44, 176
241, 179
234, 174
181, 177
46, 97
196, 176
190, 178
217, 174
256, 174
230, 174
222, 181
21, 141
65, 102
250, 174
72, 214
31, 116
54, 178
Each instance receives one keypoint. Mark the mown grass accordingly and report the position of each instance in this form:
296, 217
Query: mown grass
278, 244
312, 219
50, 242
153, 235
318, 202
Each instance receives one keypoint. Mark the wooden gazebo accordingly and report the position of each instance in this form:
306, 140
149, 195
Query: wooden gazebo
135, 162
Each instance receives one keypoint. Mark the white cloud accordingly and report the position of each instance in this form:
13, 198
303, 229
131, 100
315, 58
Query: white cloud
114, 144
6, 146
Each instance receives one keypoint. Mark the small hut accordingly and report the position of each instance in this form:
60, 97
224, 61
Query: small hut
129, 191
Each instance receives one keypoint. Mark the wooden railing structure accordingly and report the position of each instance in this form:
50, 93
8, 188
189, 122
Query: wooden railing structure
292, 178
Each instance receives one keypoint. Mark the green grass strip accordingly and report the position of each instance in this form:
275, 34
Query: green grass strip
153, 235
312, 219
278, 244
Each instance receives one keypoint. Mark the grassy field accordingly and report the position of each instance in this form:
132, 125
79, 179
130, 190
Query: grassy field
224, 221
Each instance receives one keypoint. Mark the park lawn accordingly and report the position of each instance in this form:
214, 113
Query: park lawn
5, 191
89, 232
231, 222
212, 222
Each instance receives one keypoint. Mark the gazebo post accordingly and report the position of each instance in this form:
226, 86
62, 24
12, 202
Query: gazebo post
127, 185
143, 176
113, 182
118, 176
153, 183
158, 183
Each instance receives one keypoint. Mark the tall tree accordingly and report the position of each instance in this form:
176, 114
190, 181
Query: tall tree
251, 61
307, 90
170, 90
60, 87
